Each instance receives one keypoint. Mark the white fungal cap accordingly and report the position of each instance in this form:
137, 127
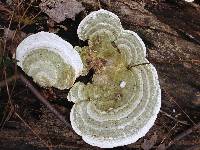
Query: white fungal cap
124, 106
76, 93
126, 124
53, 43
98, 22
49, 44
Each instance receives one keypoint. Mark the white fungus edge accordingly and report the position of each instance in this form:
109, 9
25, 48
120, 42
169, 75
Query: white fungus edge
93, 15
53, 43
139, 39
131, 139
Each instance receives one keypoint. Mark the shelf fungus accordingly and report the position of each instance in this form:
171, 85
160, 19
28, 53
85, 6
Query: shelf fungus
49, 60
123, 99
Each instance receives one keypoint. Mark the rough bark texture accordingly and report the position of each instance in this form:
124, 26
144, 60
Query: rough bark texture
171, 32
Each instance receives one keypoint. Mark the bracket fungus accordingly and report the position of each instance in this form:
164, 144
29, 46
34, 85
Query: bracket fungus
49, 60
121, 103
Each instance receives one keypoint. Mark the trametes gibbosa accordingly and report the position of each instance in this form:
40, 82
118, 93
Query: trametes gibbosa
49, 60
122, 101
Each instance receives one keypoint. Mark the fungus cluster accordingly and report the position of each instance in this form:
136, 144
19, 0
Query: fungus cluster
123, 99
